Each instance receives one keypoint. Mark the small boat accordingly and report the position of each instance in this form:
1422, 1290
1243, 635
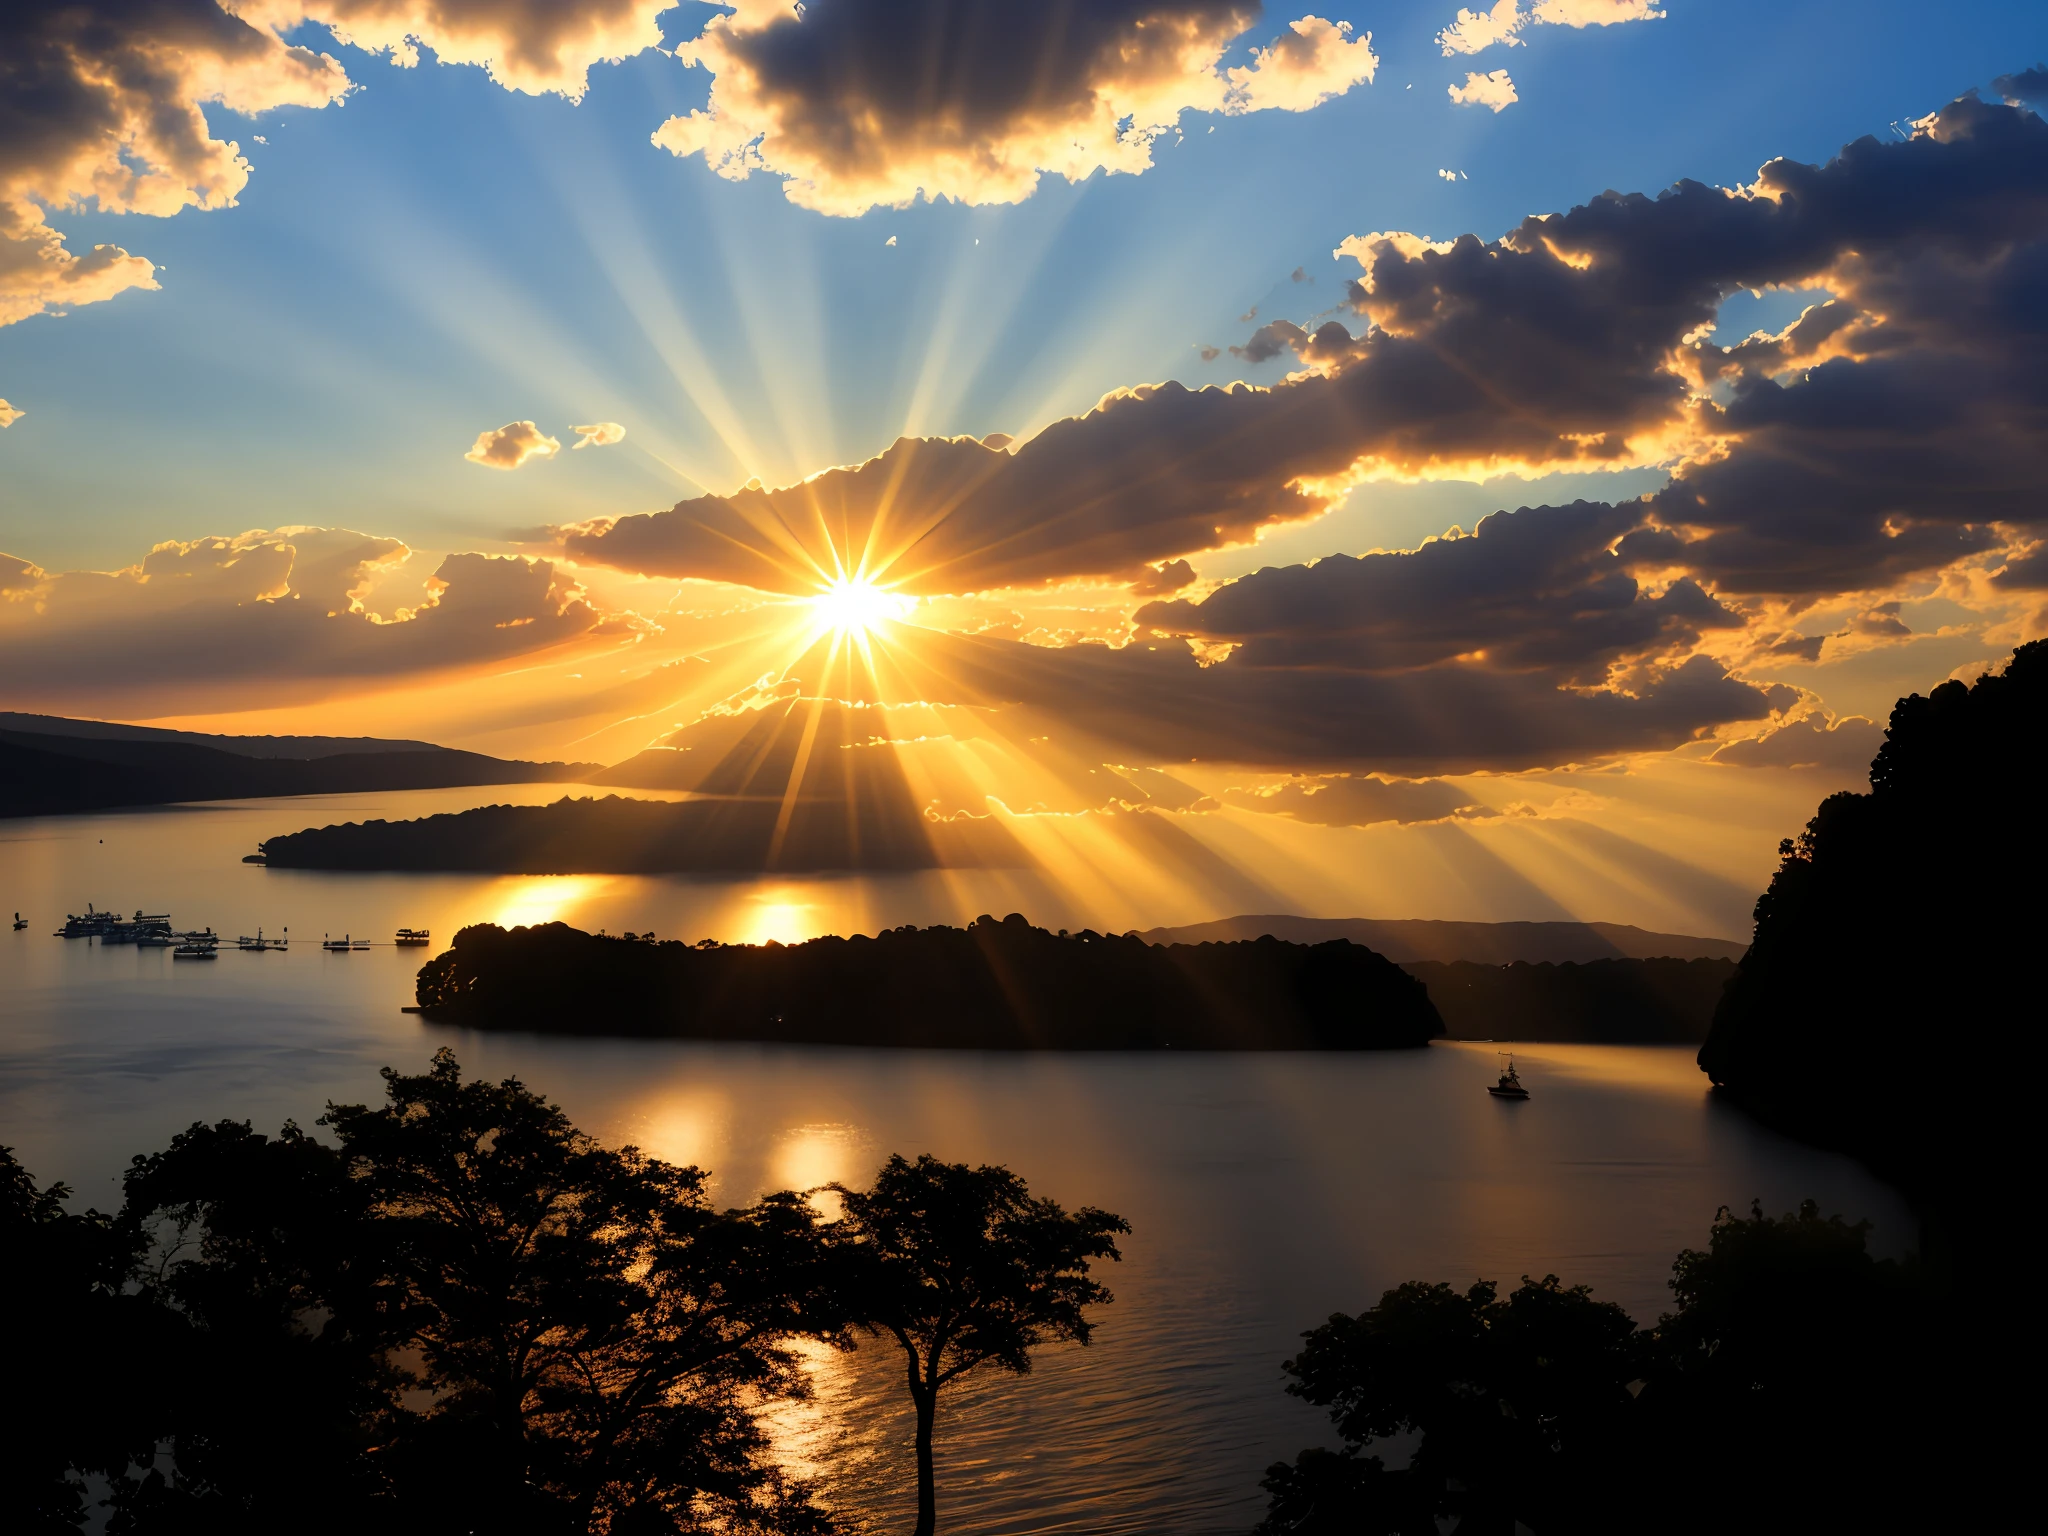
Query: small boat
154, 941
346, 944
20, 922
193, 950
259, 945
1510, 1085
89, 926
413, 936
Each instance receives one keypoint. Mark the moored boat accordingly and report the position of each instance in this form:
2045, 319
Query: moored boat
346, 944
90, 925
1510, 1084
413, 936
259, 945
196, 949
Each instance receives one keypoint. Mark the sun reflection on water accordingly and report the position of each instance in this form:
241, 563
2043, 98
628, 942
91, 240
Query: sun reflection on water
523, 900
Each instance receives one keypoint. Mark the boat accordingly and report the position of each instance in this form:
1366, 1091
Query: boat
346, 944
413, 936
89, 926
1510, 1084
259, 945
20, 922
192, 950
154, 941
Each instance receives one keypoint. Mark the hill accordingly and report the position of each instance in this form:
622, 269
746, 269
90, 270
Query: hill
1403, 940
992, 985
45, 773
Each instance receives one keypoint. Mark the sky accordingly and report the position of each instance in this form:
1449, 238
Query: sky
1164, 378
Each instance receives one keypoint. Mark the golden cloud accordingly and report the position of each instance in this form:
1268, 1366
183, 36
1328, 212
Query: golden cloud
836, 99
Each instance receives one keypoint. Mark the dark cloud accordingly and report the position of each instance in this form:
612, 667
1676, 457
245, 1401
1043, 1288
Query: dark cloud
1539, 590
2028, 86
1160, 704
216, 617
1160, 580
1848, 745
1352, 800
858, 104
1271, 340
2027, 572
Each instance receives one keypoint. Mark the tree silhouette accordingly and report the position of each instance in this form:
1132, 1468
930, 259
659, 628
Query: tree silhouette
464, 1315
964, 1268
1509, 1397
1772, 1399
589, 1327
67, 1409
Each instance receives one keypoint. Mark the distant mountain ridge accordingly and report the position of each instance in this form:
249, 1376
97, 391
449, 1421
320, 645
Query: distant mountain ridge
1407, 941
44, 773
12, 722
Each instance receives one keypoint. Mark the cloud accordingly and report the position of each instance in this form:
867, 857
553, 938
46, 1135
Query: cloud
599, 434
279, 608
1476, 31
1493, 89
101, 102
854, 114
1472, 31
1162, 580
1160, 704
1847, 744
1899, 427
1350, 800
2026, 87
1544, 589
534, 49
514, 443
10, 414
1595, 13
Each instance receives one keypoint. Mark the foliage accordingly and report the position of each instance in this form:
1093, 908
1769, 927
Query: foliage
64, 1412
464, 1314
1894, 956
963, 1267
1792, 1347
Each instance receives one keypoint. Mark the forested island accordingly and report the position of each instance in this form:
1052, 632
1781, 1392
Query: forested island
51, 766
991, 985
613, 835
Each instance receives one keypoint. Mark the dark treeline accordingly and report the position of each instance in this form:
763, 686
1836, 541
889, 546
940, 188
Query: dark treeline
615, 836
993, 985
1892, 1002
1791, 1389
1649, 1002
43, 774
464, 1315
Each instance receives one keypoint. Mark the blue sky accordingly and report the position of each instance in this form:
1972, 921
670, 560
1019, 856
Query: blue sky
437, 255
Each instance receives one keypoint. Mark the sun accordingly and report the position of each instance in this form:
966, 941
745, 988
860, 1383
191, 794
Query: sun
853, 606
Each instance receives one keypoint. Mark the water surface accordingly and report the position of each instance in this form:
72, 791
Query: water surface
1265, 1191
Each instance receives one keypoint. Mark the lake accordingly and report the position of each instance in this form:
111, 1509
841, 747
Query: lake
1264, 1191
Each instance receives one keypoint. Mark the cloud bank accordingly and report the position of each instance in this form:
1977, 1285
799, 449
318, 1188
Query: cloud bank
853, 113
282, 606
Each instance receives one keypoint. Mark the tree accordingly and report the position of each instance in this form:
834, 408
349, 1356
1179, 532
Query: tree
1772, 1399
592, 1333
466, 1315
1510, 1398
964, 1268
67, 1410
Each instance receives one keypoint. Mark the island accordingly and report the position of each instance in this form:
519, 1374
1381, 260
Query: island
993, 985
